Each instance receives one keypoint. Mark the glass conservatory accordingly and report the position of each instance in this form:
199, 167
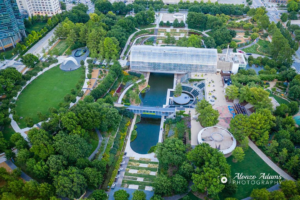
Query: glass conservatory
173, 59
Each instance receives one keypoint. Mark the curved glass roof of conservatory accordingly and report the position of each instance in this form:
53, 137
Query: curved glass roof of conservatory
176, 59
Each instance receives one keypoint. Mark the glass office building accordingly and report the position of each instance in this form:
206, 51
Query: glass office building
173, 59
11, 24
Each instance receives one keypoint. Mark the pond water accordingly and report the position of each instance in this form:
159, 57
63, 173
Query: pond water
148, 128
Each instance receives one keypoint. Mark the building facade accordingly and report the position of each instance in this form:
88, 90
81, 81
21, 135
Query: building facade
11, 24
173, 59
39, 7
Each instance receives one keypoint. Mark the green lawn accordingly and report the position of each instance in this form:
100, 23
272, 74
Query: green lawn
7, 54
262, 46
192, 196
251, 165
47, 91
93, 140
36, 27
278, 99
60, 48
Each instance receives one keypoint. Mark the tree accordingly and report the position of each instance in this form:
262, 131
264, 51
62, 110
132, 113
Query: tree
208, 116
210, 164
30, 60
238, 154
94, 178
272, 148
72, 37
282, 110
260, 194
139, 195
209, 42
18, 141
232, 92
233, 44
70, 183
171, 152
179, 184
282, 155
178, 90
294, 107
254, 36
284, 17
292, 6
156, 197
22, 156
99, 195
42, 143
40, 170
162, 185
77, 147
109, 48
171, 9
289, 188
121, 195
277, 195
56, 163
186, 170
169, 39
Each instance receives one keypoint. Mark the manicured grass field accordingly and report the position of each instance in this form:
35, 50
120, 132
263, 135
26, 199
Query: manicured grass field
262, 48
93, 140
7, 53
60, 48
36, 27
47, 91
278, 99
251, 165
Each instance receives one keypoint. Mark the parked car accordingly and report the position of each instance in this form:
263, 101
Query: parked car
113, 186
121, 169
122, 163
249, 54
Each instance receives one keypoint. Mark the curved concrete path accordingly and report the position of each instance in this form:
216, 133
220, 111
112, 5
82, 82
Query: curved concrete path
269, 162
100, 138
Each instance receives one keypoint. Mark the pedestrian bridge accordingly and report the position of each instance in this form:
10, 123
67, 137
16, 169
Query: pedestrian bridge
160, 111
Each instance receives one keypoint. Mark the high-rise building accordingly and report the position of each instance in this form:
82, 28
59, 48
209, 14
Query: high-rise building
11, 24
39, 7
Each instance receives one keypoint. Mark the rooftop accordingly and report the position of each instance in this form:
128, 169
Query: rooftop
217, 137
178, 55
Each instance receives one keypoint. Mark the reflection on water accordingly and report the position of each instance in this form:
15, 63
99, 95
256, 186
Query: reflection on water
148, 132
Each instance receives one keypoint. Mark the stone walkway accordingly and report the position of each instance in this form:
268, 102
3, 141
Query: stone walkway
269, 162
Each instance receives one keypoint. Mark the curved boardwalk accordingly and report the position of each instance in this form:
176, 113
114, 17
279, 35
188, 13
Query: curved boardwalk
269, 162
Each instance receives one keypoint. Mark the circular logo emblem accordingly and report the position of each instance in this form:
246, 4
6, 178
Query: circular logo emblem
224, 179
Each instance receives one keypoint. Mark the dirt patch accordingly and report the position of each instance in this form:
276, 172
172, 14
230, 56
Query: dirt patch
95, 73
5, 166
92, 82
87, 92
240, 36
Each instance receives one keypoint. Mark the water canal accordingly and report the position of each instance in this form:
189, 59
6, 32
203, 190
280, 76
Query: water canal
148, 127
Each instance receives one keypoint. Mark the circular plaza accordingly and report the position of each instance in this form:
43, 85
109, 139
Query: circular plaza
218, 138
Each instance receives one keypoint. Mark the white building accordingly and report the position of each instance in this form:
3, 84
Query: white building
39, 7
231, 62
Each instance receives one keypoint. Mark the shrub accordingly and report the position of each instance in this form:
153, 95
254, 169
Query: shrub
133, 135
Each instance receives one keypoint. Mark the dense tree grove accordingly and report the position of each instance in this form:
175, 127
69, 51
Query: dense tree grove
58, 152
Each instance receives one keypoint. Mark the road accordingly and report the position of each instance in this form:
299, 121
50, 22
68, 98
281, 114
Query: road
89, 4
43, 43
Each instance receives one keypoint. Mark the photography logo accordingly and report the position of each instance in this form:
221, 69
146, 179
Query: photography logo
223, 178
242, 179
